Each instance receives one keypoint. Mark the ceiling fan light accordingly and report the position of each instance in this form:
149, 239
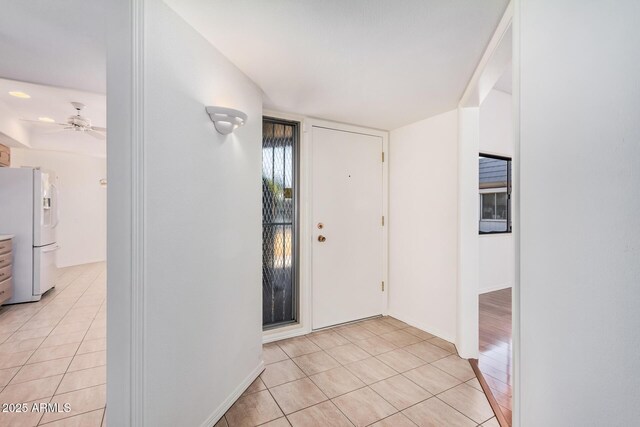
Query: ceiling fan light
46, 119
19, 94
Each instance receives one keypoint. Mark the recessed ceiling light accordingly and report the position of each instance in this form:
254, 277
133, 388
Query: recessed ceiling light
46, 119
19, 94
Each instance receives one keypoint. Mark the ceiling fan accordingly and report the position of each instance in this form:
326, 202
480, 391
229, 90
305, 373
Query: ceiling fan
78, 123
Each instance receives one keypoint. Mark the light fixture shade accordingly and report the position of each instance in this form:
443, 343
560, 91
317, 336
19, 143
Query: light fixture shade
226, 120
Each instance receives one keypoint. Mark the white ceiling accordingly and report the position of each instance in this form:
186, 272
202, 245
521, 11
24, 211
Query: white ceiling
59, 43
53, 102
376, 63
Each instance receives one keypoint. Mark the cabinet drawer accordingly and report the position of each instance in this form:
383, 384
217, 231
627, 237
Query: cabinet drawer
5, 155
5, 158
5, 259
5, 246
5, 272
6, 290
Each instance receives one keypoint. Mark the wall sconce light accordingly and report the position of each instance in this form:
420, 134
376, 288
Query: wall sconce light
226, 120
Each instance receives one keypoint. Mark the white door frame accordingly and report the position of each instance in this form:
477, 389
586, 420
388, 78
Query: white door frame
495, 60
304, 325
125, 213
502, 49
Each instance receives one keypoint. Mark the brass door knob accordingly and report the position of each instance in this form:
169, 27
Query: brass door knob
321, 238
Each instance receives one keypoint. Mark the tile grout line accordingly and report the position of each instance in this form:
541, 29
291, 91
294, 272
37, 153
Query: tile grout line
67, 418
37, 348
48, 399
443, 391
76, 352
351, 363
305, 377
328, 400
351, 341
36, 312
53, 375
368, 386
97, 275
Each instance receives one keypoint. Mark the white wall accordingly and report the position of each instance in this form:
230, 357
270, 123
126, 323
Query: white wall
496, 251
496, 124
12, 131
203, 296
468, 246
82, 230
496, 262
423, 174
579, 149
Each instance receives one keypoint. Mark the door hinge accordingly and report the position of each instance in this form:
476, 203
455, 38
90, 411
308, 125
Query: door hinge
383, 286
383, 157
383, 220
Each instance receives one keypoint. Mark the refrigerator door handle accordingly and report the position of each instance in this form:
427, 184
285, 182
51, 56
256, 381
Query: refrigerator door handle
56, 208
51, 249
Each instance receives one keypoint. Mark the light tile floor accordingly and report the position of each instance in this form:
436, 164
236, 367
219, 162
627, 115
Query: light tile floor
379, 372
54, 351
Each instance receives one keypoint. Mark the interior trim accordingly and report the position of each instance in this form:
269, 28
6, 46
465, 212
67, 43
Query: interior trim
502, 420
137, 213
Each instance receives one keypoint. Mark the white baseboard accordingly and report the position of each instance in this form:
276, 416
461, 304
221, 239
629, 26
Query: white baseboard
425, 327
494, 288
84, 262
224, 407
284, 333
294, 331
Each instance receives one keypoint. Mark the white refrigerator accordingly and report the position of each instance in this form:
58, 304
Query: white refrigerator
29, 210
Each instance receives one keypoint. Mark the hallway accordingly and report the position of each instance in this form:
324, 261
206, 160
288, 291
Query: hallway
54, 351
380, 372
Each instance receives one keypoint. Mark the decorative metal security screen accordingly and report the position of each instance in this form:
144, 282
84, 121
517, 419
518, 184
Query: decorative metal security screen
279, 221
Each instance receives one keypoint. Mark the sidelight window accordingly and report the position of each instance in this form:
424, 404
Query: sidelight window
280, 148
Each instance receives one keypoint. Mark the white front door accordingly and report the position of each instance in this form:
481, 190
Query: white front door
347, 203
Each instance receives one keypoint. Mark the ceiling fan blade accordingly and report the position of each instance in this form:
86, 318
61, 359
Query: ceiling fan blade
95, 134
44, 123
54, 131
98, 128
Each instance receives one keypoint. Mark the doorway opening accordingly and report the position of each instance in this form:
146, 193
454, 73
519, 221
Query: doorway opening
53, 251
280, 221
496, 248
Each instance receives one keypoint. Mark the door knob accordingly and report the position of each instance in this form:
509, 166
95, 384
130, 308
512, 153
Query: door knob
321, 238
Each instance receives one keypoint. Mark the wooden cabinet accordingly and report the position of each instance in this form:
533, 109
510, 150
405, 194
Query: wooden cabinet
6, 290
6, 246
6, 265
5, 157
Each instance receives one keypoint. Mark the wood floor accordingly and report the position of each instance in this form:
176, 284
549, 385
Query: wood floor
495, 346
